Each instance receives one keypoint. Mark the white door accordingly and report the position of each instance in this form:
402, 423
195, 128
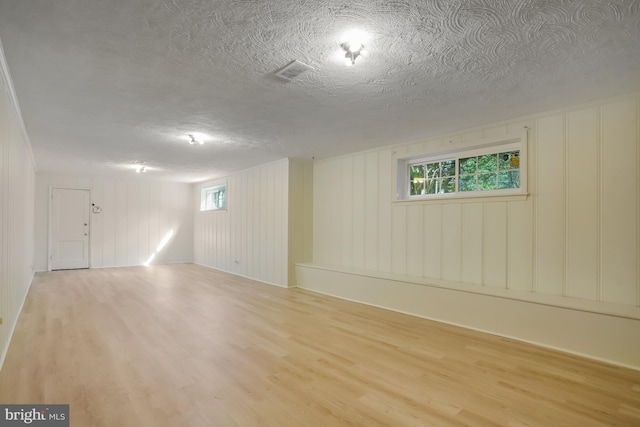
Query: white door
69, 224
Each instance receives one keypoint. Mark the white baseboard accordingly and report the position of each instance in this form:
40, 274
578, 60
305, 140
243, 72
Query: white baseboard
242, 275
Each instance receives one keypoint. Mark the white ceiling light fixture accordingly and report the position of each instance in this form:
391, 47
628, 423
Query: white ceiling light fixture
351, 53
353, 46
195, 141
140, 167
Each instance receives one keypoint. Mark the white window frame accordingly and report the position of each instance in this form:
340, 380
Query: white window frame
207, 190
475, 148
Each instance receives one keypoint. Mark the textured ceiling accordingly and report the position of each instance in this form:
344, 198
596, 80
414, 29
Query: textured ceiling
103, 83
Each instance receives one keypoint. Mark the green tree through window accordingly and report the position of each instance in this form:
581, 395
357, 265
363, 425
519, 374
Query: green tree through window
492, 171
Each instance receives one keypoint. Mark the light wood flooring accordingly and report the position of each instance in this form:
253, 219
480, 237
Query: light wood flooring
183, 345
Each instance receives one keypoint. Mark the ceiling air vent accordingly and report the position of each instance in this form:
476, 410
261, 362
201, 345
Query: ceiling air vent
292, 70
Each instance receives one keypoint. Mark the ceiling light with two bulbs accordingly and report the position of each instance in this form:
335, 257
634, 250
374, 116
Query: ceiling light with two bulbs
353, 46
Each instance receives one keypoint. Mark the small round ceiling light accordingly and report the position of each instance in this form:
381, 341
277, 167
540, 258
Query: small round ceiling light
193, 140
140, 167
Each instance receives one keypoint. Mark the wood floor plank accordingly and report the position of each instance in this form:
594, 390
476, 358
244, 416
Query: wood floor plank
184, 345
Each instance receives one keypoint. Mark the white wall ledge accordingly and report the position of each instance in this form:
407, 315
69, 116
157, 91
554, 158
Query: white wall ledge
605, 332
610, 309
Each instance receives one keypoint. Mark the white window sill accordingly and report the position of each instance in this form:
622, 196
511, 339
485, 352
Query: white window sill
464, 198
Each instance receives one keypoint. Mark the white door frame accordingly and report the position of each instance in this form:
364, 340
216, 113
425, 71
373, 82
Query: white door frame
50, 238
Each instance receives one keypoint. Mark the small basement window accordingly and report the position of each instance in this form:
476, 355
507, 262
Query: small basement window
213, 198
493, 168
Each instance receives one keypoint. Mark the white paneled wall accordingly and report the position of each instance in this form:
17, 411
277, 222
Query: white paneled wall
250, 237
17, 171
300, 215
261, 234
560, 267
136, 216
576, 235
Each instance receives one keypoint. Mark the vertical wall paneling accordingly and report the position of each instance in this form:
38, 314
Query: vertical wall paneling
307, 212
433, 241
325, 235
165, 222
346, 191
97, 227
258, 217
234, 227
415, 240
399, 239
121, 217
237, 239
263, 236
371, 196
320, 226
155, 200
299, 201
282, 228
40, 228
234, 198
107, 217
383, 225
472, 235
451, 241
265, 251
358, 220
550, 217
248, 225
243, 187
224, 228
520, 267
5, 305
582, 210
291, 216
619, 202
276, 224
332, 205
268, 235
252, 236
495, 247
17, 190
132, 217
145, 246
277, 211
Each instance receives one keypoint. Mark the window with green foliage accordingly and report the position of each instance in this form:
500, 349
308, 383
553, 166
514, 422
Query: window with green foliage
433, 178
213, 198
490, 172
492, 169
